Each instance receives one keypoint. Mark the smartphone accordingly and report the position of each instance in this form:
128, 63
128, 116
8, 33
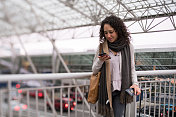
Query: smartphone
102, 54
130, 91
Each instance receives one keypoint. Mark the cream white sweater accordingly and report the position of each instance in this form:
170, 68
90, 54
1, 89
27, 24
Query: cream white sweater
97, 64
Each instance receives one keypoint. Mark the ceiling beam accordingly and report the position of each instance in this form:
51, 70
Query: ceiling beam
103, 7
130, 11
77, 10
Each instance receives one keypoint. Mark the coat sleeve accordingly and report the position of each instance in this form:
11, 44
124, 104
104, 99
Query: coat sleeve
97, 64
133, 71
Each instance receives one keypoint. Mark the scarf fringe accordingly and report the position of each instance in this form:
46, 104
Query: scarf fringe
129, 98
105, 110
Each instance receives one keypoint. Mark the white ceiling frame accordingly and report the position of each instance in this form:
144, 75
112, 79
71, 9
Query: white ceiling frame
138, 11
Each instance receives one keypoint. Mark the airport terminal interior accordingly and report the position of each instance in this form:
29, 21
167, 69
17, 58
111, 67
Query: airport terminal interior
54, 37
81, 62
31, 23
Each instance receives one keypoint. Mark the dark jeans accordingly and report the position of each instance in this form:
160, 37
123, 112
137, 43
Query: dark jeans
118, 107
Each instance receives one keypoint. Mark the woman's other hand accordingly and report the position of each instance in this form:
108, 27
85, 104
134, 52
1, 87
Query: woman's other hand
137, 90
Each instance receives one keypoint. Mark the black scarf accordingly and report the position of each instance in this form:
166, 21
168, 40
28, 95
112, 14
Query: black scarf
103, 105
117, 46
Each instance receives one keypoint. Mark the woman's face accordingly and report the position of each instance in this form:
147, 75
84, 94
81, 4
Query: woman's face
110, 33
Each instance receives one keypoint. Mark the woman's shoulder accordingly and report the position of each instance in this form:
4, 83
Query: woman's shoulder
131, 46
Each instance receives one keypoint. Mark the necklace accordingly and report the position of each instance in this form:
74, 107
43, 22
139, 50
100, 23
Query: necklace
114, 53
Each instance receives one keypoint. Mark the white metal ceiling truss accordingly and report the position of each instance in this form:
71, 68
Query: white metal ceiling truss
24, 16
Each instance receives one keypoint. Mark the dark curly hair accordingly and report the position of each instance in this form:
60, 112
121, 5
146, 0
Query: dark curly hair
118, 25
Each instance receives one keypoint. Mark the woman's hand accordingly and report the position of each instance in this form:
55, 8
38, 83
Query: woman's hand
104, 57
137, 90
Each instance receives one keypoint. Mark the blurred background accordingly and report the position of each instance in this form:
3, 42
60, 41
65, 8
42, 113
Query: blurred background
61, 36
41, 30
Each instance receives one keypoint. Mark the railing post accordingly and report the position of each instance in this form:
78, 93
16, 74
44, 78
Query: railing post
132, 108
9, 98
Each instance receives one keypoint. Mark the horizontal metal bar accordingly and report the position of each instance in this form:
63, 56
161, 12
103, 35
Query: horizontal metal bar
60, 76
49, 76
156, 72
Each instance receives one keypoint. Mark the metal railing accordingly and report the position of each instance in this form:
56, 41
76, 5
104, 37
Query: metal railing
158, 96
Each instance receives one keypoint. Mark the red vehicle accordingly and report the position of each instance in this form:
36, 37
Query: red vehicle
65, 104
33, 93
79, 98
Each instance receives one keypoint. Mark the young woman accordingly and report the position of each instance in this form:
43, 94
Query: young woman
117, 67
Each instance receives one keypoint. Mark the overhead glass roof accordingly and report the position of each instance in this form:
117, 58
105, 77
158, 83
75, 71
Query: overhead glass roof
37, 27
28, 16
